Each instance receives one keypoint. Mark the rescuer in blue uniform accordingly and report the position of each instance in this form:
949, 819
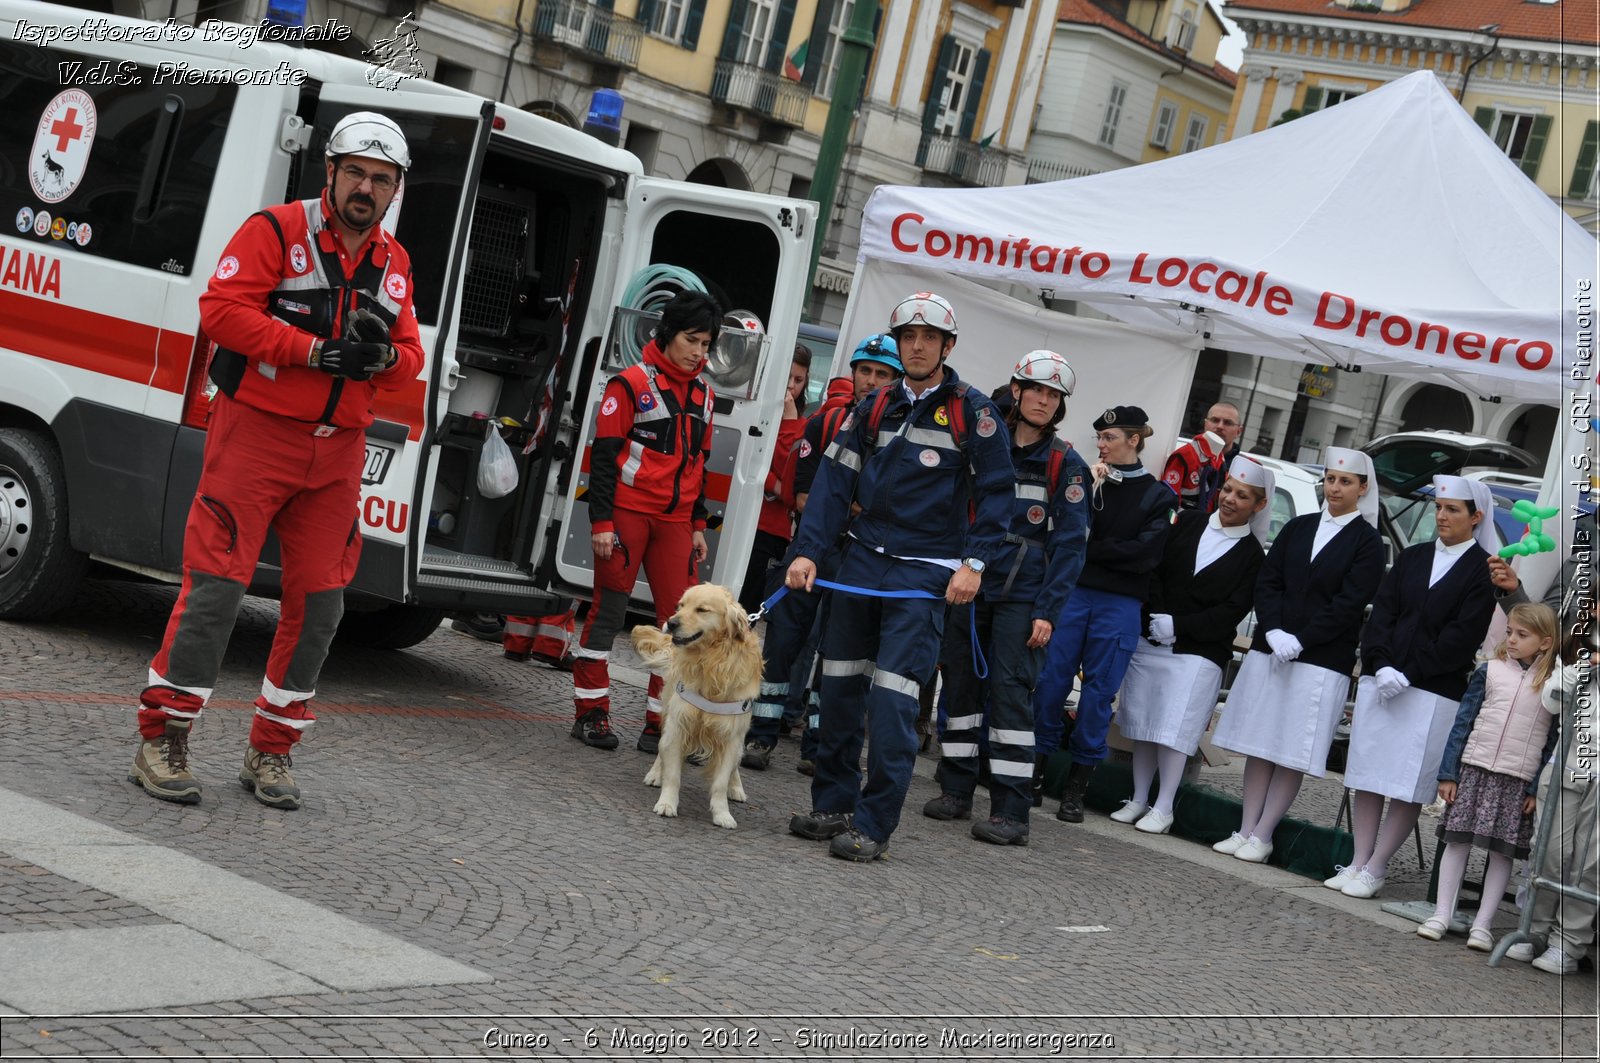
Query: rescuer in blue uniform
1024, 591
928, 462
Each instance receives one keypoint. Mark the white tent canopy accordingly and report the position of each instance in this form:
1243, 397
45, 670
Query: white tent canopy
1386, 232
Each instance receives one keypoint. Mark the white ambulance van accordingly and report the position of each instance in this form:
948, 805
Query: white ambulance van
131, 151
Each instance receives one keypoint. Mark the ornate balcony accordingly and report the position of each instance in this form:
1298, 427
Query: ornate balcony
600, 35
750, 88
961, 160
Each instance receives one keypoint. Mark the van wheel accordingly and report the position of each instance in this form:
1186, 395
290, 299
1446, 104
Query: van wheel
394, 627
39, 569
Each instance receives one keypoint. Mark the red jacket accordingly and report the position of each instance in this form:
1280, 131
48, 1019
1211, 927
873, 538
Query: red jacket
778, 503
651, 442
838, 400
275, 292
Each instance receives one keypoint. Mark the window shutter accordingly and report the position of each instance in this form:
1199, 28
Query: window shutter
1313, 99
1535, 149
605, 5
1484, 116
544, 20
778, 43
941, 73
730, 36
647, 13
1583, 173
969, 109
819, 43
691, 24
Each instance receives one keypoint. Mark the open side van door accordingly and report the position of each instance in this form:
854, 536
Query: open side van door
752, 253
447, 135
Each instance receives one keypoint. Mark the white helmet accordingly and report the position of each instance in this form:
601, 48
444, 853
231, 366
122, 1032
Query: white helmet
1047, 368
743, 319
369, 135
923, 308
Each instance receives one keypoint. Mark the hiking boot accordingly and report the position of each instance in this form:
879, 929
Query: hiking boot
806, 767
819, 826
162, 765
267, 776
517, 655
649, 740
948, 806
593, 728
853, 845
757, 757
1071, 810
998, 830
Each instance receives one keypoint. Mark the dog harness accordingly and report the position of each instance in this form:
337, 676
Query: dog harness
721, 708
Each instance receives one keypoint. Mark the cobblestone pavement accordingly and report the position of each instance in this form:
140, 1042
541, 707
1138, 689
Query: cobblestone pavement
448, 807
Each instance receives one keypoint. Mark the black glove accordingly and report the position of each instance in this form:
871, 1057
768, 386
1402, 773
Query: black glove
363, 326
353, 359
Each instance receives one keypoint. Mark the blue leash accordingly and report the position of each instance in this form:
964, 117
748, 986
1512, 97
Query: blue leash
980, 667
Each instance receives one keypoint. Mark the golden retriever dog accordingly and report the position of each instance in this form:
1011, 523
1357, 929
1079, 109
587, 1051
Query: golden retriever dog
711, 662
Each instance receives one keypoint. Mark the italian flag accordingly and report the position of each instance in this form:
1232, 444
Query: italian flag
796, 63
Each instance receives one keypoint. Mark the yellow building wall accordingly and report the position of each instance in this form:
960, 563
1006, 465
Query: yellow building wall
1188, 107
501, 12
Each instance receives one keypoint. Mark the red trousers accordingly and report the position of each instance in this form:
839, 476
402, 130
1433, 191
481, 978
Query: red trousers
545, 636
666, 550
261, 471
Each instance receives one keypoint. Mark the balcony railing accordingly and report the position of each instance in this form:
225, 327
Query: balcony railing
1041, 171
753, 89
961, 160
583, 27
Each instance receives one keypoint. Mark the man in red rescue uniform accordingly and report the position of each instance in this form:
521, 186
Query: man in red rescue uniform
647, 501
310, 309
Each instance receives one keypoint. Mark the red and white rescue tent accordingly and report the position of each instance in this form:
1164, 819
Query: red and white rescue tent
1387, 232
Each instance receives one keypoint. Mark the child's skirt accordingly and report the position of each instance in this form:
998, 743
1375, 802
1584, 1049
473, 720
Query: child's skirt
1487, 813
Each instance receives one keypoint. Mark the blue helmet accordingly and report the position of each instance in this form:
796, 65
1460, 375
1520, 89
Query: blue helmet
879, 348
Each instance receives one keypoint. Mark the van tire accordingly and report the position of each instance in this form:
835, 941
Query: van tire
39, 569
394, 627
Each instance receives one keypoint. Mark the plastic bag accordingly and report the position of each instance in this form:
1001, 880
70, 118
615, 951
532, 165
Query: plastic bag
497, 469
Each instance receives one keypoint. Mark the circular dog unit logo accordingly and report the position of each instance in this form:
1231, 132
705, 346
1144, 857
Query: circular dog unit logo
61, 145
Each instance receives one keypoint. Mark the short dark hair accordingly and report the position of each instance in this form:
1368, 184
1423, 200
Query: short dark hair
802, 356
689, 312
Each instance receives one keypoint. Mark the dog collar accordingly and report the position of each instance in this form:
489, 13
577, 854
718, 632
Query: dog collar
721, 708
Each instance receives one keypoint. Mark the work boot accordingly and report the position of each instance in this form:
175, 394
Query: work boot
486, 626
819, 826
998, 830
1039, 762
162, 765
649, 739
948, 806
267, 776
757, 757
593, 728
806, 767
1071, 810
853, 845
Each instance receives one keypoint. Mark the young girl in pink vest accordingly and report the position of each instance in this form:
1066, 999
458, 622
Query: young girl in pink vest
1491, 762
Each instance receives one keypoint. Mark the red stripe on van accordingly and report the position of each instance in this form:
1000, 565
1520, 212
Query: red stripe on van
99, 343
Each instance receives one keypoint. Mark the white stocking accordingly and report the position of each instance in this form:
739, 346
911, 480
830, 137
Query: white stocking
1144, 770
1170, 764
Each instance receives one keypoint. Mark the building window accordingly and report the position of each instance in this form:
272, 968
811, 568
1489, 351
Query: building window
958, 80
1511, 132
1195, 139
1181, 30
667, 19
1333, 96
1166, 118
753, 35
843, 11
1108, 125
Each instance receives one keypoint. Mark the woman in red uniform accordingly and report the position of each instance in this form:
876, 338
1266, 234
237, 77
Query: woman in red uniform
647, 501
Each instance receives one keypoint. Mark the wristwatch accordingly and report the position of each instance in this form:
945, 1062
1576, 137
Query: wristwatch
974, 564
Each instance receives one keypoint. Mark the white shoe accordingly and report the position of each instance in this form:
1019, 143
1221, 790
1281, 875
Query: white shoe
1130, 811
1254, 851
1522, 952
1480, 940
1229, 845
1155, 821
1433, 930
1364, 885
1554, 961
1342, 875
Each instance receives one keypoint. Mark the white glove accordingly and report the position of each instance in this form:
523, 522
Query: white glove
1161, 630
1285, 647
1390, 682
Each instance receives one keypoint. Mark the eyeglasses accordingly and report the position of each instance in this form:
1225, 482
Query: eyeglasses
1224, 423
381, 182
